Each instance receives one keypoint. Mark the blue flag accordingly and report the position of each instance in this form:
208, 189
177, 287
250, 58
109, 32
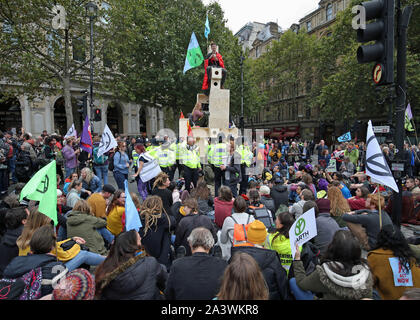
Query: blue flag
207, 27
194, 56
345, 137
132, 218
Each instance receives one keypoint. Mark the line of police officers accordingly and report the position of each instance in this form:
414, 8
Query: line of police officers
228, 160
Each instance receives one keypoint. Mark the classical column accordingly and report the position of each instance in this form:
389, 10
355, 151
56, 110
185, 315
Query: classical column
161, 118
47, 107
26, 113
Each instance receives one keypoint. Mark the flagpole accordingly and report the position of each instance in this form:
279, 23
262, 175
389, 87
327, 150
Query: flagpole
379, 207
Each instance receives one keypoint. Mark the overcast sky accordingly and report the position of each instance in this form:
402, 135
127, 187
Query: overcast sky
284, 12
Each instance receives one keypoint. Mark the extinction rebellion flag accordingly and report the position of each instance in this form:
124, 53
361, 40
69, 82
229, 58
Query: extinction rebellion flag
194, 55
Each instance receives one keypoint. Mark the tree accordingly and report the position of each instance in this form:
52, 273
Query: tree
39, 57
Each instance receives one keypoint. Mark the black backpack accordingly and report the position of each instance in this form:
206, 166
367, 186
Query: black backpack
111, 162
263, 214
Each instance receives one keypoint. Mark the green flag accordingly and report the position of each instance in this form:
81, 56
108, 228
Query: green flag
194, 55
43, 188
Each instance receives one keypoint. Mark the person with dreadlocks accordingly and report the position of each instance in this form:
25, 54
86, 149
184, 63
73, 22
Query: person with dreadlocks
156, 229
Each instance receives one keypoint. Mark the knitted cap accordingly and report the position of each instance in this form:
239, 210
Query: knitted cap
264, 190
257, 232
77, 285
323, 205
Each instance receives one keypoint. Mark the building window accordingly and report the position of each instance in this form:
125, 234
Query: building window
308, 26
308, 113
257, 52
329, 12
308, 85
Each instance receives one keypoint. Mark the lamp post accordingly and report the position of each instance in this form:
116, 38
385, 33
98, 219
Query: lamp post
91, 10
241, 122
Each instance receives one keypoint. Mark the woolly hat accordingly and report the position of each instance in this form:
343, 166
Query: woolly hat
257, 232
264, 190
324, 205
77, 285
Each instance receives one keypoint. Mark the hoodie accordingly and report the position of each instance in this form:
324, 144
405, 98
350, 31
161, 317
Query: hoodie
280, 196
8, 247
222, 209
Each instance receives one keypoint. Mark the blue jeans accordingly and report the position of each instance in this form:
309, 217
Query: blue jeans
102, 173
69, 171
298, 292
84, 257
12, 167
106, 234
120, 178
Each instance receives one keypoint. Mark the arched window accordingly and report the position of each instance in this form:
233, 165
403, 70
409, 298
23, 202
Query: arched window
329, 12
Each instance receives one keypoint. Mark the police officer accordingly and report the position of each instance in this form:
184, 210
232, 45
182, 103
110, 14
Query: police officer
191, 163
166, 158
219, 157
246, 160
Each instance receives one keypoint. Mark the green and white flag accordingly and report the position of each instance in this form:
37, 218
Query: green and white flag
194, 56
43, 188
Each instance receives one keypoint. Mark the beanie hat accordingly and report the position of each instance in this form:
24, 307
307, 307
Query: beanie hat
323, 205
108, 188
257, 232
264, 190
77, 285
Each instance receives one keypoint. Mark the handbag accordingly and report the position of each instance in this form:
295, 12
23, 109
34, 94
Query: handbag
150, 169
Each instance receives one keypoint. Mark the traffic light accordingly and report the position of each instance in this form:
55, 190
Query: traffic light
97, 114
82, 104
381, 31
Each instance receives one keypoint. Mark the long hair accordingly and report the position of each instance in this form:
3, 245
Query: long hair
344, 249
73, 184
202, 192
35, 220
225, 194
151, 210
160, 180
391, 238
339, 204
115, 201
287, 220
82, 206
89, 174
243, 280
123, 248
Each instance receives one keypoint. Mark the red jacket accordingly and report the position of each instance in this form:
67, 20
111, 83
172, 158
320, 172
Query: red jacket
206, 64
222, 210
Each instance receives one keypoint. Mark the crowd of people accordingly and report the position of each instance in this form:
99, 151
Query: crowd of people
214, 226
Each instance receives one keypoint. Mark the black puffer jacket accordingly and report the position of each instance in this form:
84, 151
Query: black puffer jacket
140, 278
50, 268
274, 274
8, 247
280, 196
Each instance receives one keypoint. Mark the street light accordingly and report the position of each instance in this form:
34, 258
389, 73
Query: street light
241, 122
91, 10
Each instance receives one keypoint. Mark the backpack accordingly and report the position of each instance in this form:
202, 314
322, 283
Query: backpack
310, 257
240, 232
99, 160
26, 287
10, 152
264, 215
111, 162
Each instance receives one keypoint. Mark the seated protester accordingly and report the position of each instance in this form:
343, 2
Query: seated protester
186, 280
90, 181
239, 216
176, 195
359, 200
74, 193
364, 224
338, 182
15, 220
42, 245
160, 188
223, 205
268, 260
411, 294
70, 251
129, 274
156, 230
204, 199
393, 264
99, 201
347, 167
193, 219
339, 205
297, 208
82, 223
254, 202
266, 200
279, 193
408, 212
279, 240
295, 190
115, 212
307, 179
243, 280
342, 275
68, 181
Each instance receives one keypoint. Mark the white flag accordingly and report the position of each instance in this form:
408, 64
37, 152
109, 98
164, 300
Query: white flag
71, 133
108, 141
376, 166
